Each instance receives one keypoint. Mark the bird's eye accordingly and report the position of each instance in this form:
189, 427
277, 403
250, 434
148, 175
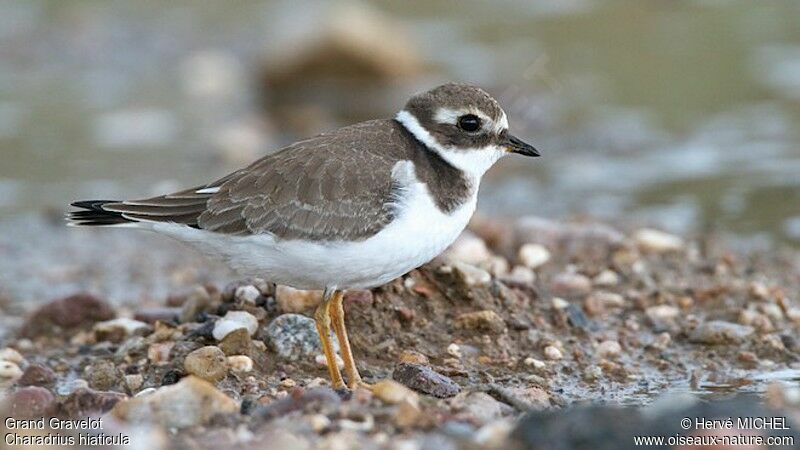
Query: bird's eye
469, 122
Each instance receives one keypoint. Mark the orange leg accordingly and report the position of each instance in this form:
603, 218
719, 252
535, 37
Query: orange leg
323, 320
337, 314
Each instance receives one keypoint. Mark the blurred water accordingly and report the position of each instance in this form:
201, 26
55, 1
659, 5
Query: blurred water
680, 113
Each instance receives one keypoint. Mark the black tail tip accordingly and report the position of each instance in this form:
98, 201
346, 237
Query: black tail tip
93, 214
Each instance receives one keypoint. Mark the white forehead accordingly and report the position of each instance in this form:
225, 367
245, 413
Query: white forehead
448, 115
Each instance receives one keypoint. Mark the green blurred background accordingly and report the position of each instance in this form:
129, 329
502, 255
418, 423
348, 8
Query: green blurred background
675, 113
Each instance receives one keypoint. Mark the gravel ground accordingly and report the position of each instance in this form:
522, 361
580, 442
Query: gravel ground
501, 342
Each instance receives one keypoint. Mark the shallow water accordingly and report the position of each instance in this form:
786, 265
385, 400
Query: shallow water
682, 114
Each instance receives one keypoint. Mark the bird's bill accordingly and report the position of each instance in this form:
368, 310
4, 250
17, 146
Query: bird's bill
516, 145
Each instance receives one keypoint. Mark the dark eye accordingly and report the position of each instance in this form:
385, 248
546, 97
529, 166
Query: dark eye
469, 122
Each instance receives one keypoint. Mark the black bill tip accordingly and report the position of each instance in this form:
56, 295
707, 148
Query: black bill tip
517, 145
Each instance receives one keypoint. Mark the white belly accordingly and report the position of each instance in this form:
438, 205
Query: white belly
417, 235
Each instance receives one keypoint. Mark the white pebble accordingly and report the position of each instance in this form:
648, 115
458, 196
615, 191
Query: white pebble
560, 303
522, 275
322, 361
609, 349
658, 241
535, 363
233, 321
606, 278
553, 353
454, 350
247, 294
9, 372
11, 355
533, 255
240, 363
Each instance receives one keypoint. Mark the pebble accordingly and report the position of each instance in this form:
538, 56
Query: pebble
718, 332
521, 275
32, 402
413, 357
757, 320
240, 364
793, 314
116, 330
600, 302
155, 314
486, 320
321, 360
103, 375
534, 397
158, 353
37, 375
470, 275
67, 313
393, 393
759, 291
208, 363
481, 407
494, 434
196, 302
247, 294
535, 363
553, 353
192, 401
559, 303
568, 284
468, 248
533, 256
454, 350
606, 278
235, 320
11, 355
291, 300
85, 402
9, 373
237, 342
426, 380
134, 382
497, 266
609, 349
657, 241
294, 337
662, 316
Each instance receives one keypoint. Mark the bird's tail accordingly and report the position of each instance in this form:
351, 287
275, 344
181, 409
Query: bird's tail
92, 214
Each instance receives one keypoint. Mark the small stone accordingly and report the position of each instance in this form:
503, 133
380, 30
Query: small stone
158, 353
85, 402
116, 330
288, 383
240, 364
291, 300
454, 350
426, 380
533, 256
134, 382
748, 358
247, 295
192, 401
793, 314
468, 248
481, 407
535, 363
71, 386
662, 341
294, 337
662, 316
486, 320
553, 353
718, 332
496, 265
197, 301
413, 357
9, 373
609, 349
759, 291
772, 310
103, 375
37, 375
521, 275
235, 320
560, 303
66, 314
32, 402
155, 314
494, 434
592, 373
11, 355
657, 241
237, 342
321, 360
208, 363
606, 278
534, 397
470, 275
393, 393
757, 320
319, 422
568, 284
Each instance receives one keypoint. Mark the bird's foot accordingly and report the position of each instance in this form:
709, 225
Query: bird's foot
361, 385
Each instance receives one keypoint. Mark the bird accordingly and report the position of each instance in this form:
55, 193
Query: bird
352, 208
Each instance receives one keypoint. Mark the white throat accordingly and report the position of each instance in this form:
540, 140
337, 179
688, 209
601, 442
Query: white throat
472, 161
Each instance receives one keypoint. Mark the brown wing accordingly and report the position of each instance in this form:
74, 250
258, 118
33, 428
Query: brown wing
331, 187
